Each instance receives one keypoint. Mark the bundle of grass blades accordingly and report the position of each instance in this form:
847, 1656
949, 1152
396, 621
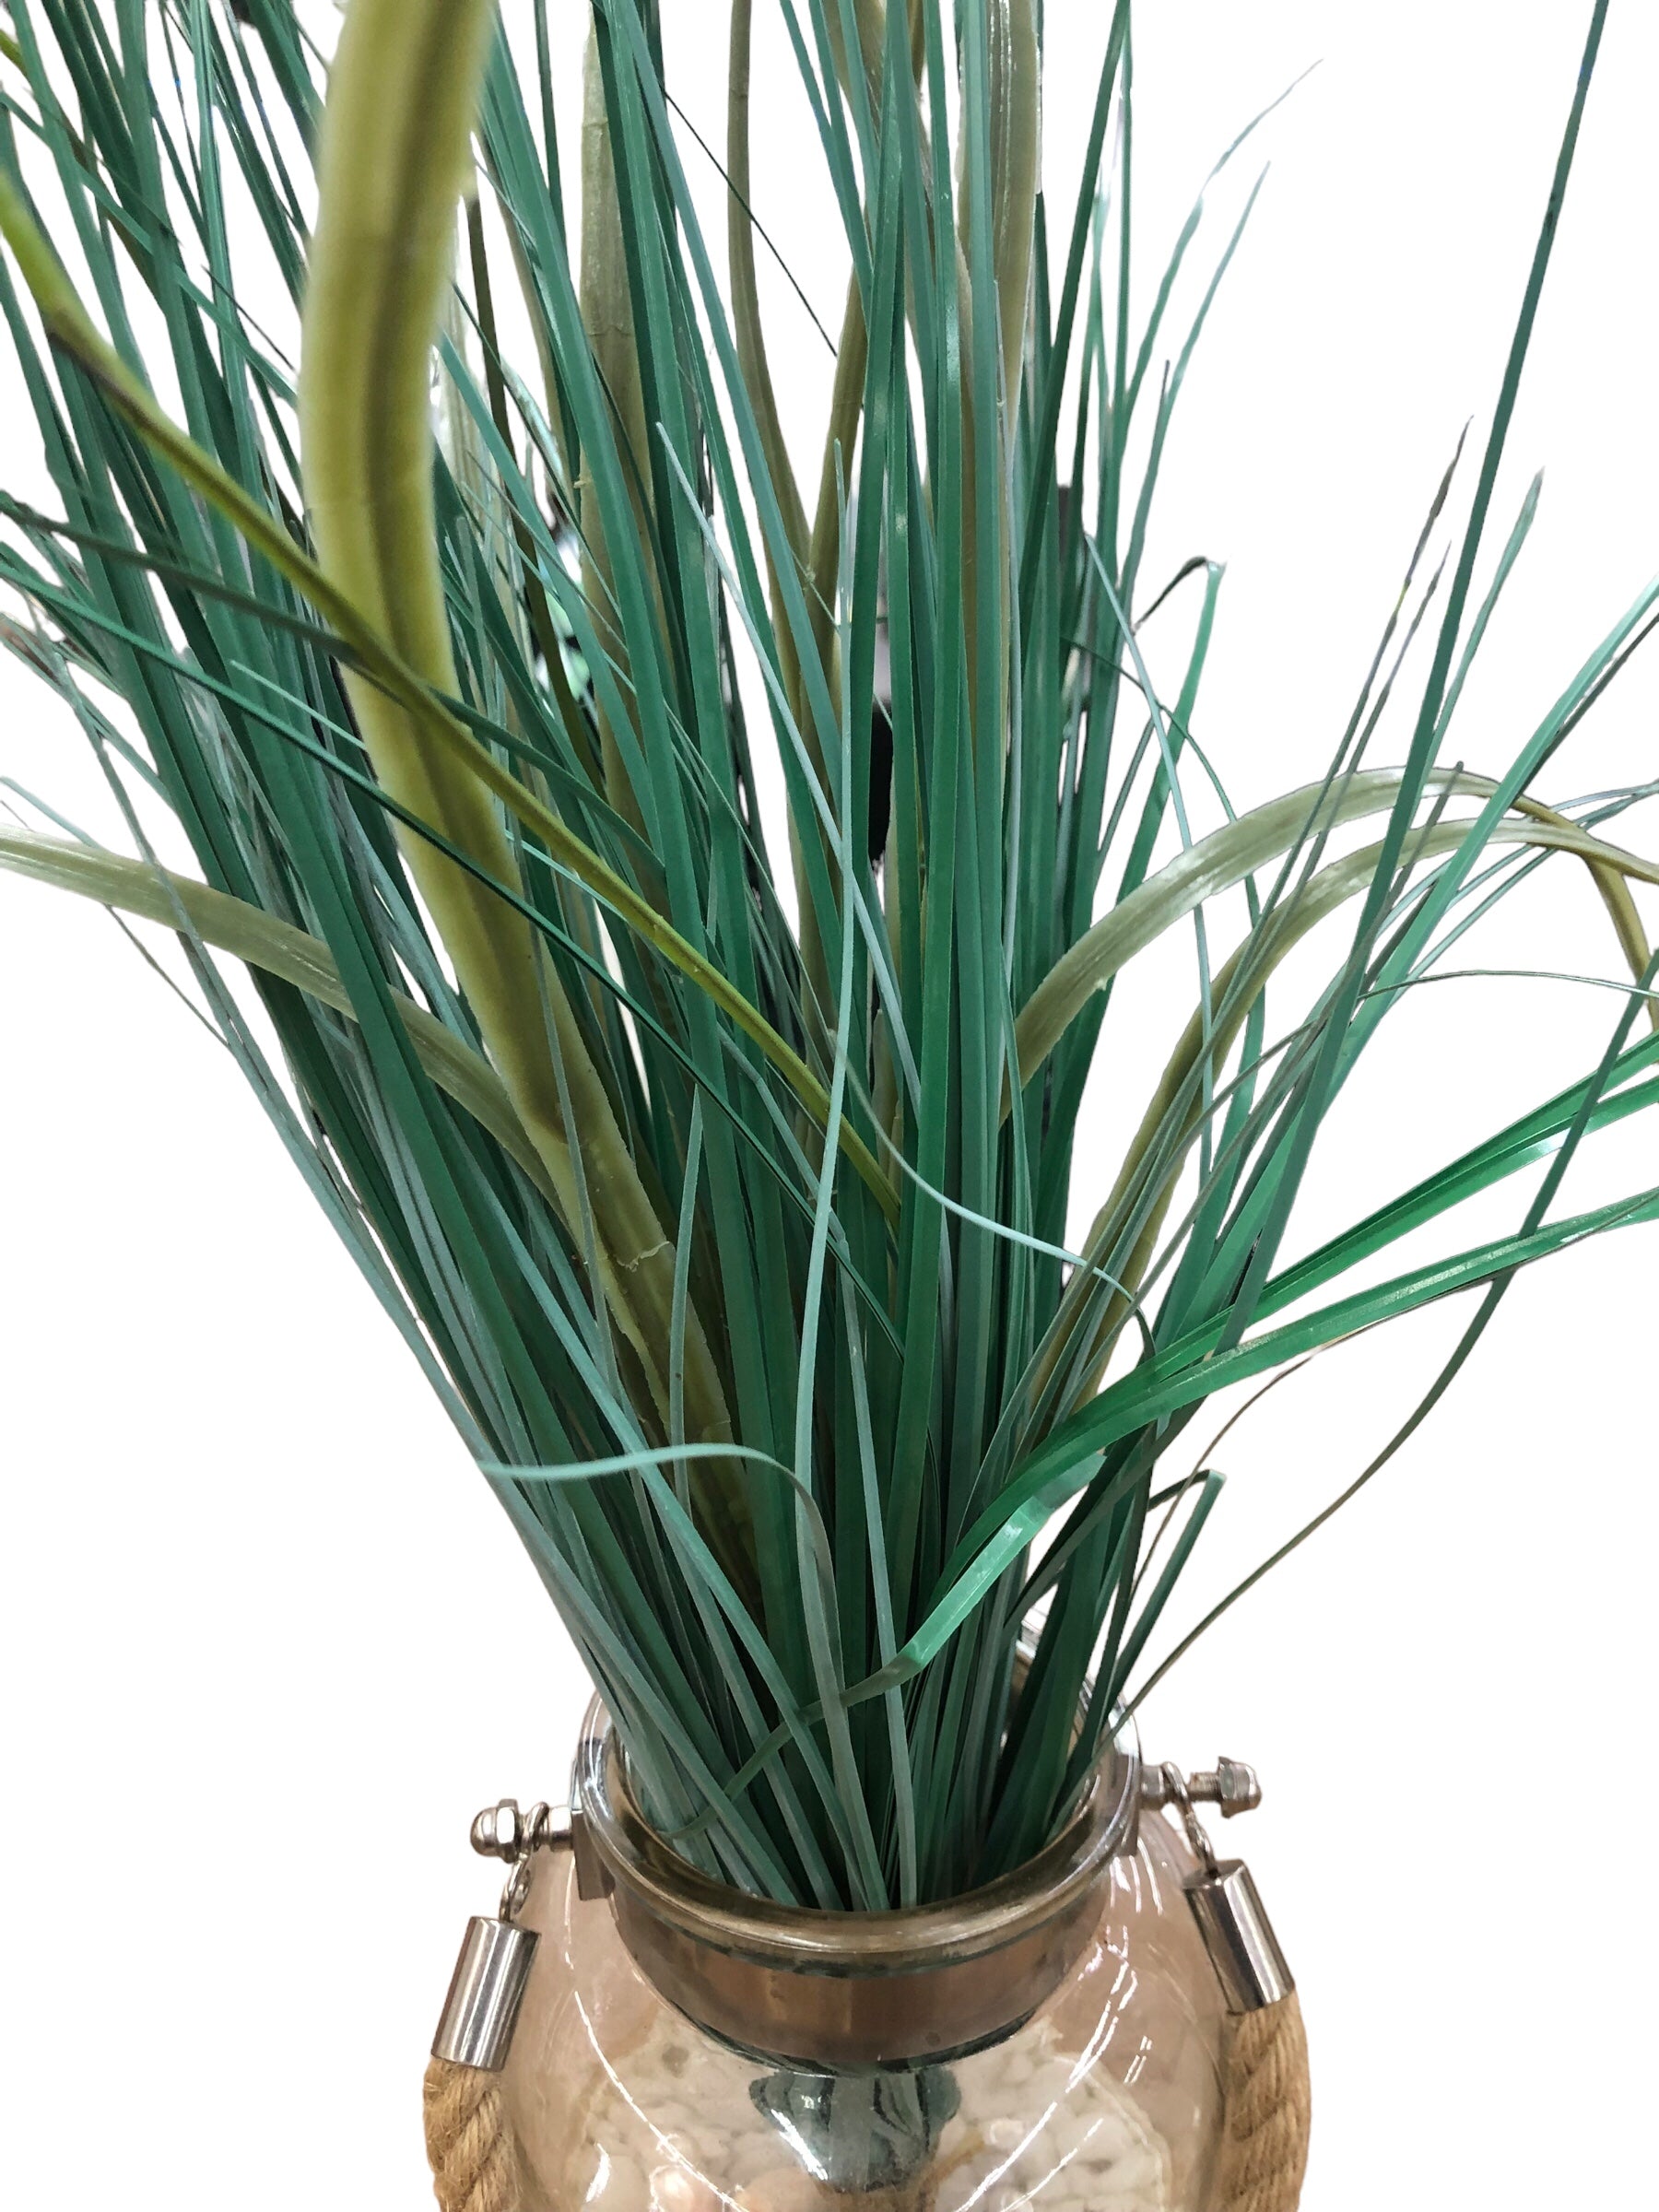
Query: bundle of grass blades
719, 1180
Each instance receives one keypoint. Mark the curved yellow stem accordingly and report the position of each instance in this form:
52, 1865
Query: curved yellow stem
1211, 865
70, 327
393, 155
1612, 869
276, 947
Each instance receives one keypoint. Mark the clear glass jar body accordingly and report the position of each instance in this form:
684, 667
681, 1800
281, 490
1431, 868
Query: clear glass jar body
1107, 2097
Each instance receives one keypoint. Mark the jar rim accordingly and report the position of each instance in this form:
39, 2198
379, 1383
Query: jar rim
727, 1957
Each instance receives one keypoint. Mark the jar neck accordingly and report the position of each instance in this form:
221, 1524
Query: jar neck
849, 1992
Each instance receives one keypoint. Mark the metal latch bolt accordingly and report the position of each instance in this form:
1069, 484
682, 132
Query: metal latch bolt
1230, 1785
488, 1986
1237, 1931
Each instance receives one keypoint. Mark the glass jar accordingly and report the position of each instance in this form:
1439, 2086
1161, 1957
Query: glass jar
1052, 2038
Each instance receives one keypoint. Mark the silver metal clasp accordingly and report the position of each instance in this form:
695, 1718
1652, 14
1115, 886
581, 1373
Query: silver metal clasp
1230, 1785
1232, 1918
488, 1986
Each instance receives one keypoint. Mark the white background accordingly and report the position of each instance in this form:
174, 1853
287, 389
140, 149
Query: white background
268, 1640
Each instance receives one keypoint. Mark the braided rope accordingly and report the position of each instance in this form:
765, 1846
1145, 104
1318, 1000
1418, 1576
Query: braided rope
1267, 2110
469, 2141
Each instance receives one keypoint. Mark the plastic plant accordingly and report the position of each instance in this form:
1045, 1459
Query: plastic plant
716, 1166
